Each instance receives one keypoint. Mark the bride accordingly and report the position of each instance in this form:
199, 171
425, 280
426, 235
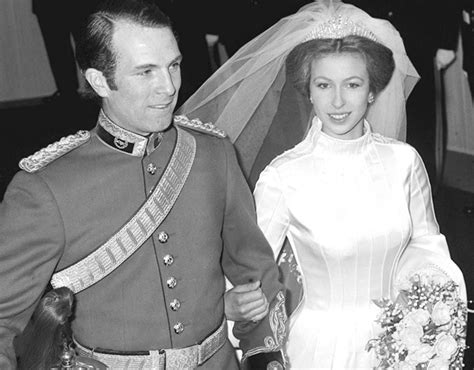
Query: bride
354, 204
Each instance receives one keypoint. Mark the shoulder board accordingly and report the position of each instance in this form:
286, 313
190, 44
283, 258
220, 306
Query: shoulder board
53, 151
197, 125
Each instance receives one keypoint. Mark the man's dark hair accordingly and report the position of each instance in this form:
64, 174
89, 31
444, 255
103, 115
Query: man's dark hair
94, 47
378, 58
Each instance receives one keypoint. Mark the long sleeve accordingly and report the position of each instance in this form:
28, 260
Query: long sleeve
272, 212
248, 257
427, 248
31, 241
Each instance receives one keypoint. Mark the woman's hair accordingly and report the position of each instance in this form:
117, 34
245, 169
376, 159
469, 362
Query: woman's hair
50, 330
94, 46
378, 59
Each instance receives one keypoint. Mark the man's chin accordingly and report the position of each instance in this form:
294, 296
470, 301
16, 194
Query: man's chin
162, 124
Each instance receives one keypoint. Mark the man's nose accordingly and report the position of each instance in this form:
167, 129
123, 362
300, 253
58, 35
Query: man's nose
165, 84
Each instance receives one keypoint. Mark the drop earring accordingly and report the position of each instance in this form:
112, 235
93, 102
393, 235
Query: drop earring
371, 99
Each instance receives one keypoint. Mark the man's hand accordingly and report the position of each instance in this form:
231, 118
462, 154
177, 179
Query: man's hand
444, 58
246, 302
267, 361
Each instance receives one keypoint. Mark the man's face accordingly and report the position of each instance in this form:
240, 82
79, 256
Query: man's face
147, 76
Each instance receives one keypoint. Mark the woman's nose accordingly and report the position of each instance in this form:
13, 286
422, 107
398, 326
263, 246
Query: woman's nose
338, 98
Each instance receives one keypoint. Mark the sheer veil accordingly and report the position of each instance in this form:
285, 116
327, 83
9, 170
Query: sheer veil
248, 98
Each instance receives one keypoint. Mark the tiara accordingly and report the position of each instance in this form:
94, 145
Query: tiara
339, 27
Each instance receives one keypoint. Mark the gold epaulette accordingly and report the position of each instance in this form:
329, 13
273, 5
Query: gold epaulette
198, 125
53, 151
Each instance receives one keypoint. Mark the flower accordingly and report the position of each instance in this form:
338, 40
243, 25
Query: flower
424, 328
420, 316
406, 366
410, 333
441, 313
438, 278
445, 346
420, 354
438, 363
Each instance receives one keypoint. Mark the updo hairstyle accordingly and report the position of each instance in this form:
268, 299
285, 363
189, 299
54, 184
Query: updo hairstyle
378, 59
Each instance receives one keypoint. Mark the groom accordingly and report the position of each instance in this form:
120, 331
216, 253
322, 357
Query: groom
140, 217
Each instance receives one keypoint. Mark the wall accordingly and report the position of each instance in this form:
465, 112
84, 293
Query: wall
24, 67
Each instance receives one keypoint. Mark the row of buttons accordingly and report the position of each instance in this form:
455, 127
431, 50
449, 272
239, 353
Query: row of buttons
171, 282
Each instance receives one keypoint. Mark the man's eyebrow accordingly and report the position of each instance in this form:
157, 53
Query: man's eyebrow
179, 58
145, 66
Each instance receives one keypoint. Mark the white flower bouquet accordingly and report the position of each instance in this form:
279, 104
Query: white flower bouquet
425, 328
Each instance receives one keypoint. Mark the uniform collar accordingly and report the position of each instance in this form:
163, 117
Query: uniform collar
125, 140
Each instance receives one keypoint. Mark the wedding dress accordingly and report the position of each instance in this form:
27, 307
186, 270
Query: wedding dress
359, 215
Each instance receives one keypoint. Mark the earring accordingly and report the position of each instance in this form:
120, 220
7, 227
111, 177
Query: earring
311, 99
371, 99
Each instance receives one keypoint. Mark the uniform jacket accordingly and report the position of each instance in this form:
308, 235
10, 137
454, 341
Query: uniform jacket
56, 216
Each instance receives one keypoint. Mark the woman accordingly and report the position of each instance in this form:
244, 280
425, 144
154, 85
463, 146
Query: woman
355, 206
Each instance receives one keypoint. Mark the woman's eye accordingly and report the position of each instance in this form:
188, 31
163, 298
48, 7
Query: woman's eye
145, 72
354, 85
322, 85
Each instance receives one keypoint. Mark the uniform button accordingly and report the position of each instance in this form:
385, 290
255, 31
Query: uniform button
171, 282
151, 169
163, 237
175, 304
178, 328
168, 260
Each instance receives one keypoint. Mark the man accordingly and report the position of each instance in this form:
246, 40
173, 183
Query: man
140, 217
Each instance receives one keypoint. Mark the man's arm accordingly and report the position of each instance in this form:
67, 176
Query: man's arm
31, 240
248, 258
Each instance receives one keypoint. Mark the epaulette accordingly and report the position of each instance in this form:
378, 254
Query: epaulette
53, 151
198, 125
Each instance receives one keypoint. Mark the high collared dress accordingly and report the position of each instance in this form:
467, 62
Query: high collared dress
358, 215
170, 292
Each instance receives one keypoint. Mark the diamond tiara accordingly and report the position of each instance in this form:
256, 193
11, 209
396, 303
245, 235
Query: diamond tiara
339, 27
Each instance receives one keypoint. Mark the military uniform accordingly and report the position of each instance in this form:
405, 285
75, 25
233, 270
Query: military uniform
169, 292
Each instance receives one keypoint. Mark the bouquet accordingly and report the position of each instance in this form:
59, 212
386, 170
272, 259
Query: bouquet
425, 328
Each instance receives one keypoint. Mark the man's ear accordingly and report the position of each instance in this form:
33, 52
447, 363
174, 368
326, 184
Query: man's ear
98, 82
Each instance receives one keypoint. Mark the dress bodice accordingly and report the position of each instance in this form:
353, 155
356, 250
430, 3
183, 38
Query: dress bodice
343, 217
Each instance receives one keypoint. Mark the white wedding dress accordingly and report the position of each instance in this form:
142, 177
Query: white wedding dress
358, 214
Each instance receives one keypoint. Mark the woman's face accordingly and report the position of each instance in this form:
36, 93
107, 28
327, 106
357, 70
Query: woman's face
339, 91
